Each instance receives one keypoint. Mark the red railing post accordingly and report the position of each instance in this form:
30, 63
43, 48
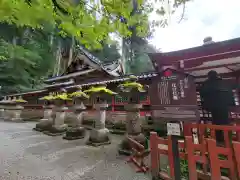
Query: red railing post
170, 157
187, 130
154, 154
236, 148
214, 161
191, 159
138, 154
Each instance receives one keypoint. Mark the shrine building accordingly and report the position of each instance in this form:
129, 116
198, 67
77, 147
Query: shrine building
87, 70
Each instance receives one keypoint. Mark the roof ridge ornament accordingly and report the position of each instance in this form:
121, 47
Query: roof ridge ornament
208, 40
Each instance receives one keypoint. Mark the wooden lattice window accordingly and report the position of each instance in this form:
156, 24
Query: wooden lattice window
121, 99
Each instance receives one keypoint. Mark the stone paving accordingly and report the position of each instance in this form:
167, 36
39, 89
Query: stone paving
30, 155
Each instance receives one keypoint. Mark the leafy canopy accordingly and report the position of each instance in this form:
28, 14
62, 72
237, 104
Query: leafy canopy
88, 21
27, 62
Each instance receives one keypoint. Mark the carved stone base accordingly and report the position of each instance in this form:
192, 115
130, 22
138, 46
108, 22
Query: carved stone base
125, 148
56, 130
6, 116
20, 120
2, 113
96, 144
43, 125
99, 137
13, 113
53, 133
16, 115
75, 133
118, 132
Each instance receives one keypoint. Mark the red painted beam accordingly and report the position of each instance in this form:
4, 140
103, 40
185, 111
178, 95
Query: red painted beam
211, 67
200, 51
224, 75
193, 62
198, 55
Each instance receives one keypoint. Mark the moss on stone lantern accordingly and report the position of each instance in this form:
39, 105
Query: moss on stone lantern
77, 131
59, 127
47, 121
133, 90
100, 134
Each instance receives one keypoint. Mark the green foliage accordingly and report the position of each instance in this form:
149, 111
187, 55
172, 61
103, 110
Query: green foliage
136, 56
108, 53
25, 60
100, 89
183, 169
89, 22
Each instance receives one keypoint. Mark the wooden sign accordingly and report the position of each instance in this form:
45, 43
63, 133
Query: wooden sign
173, 97
174, 129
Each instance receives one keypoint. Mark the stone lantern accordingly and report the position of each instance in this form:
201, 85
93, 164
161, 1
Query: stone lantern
100, 134
3, 107
8, 104
13, 109
17, 108
59, 127
77, 131
47, 120
133, 90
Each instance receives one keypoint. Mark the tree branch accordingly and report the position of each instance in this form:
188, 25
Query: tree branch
183, 12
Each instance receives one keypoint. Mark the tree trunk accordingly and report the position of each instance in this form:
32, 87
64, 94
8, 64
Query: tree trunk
51, 40
71, 51
58, 59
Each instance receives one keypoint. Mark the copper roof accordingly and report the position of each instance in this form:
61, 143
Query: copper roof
116, 80
94, 62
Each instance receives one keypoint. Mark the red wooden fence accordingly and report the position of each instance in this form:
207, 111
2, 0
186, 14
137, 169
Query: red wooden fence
201, 131
138, 154
206, 153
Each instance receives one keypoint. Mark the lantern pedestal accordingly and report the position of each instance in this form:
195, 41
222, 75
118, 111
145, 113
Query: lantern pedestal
13, 112
7, 114
47, 121
2, 111
76, 131
58, 127
8, 111
16, 113
133, 126
100, 134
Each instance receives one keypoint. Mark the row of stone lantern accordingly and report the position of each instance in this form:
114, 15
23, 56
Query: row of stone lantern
99, 134
11, 108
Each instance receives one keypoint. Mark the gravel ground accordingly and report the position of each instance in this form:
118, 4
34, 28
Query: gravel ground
30, 155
